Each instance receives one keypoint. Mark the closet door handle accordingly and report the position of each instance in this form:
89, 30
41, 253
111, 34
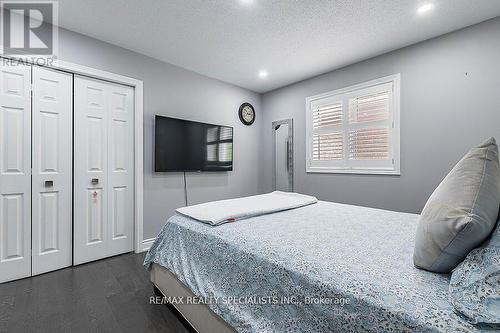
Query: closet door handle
94, 181
49, 183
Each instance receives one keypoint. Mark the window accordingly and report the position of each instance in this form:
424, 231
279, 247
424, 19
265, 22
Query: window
355, 129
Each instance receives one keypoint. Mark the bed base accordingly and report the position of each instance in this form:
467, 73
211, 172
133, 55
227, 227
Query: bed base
199, 316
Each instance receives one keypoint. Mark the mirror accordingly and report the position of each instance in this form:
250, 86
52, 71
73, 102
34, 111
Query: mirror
283, 155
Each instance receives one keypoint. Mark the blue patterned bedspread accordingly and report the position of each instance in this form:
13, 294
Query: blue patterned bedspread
327, 267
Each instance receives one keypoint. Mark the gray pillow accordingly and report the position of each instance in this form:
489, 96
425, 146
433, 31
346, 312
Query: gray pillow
462, 211
475, 283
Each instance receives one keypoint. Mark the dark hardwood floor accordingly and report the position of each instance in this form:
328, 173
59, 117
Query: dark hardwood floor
110, 295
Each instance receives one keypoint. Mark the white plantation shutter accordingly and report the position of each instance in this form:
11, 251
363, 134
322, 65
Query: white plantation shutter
327, 147
355, 130
369, 144
328, 116
328, 141
369, 108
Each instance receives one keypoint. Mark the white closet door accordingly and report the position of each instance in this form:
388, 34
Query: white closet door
103, 183
15, 172
120, 169
52, 174
90, 170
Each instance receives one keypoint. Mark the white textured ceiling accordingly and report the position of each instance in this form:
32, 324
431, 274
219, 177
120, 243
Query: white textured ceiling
232, 40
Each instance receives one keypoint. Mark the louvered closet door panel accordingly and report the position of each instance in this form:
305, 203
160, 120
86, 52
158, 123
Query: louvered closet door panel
121, 169
52, 170
104, 169
15, 172
90, 170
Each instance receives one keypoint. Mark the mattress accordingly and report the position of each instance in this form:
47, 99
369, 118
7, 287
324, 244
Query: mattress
320, 268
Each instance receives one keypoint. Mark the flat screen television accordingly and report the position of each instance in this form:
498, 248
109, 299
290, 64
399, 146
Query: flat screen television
183, 145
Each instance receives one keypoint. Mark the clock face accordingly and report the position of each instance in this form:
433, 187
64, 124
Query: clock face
247, 113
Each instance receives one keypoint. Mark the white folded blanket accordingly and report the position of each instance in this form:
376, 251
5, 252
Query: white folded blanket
218, 212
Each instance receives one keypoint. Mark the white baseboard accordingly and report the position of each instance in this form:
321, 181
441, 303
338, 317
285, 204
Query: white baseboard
146, 244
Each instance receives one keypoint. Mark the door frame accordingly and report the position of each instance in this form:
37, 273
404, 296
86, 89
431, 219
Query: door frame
288, 122
74, 68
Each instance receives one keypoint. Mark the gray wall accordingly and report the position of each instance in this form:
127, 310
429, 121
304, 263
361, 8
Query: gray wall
172, 91
450, 100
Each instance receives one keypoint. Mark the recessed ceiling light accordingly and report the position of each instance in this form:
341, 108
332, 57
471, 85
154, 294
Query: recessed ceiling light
425, 8
246, 2
263, 74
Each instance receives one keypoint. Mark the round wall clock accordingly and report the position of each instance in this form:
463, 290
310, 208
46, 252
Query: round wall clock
247, 114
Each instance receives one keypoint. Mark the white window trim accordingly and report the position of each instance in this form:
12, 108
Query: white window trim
395, 131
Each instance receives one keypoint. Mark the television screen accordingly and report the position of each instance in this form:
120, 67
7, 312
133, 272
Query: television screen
183, 145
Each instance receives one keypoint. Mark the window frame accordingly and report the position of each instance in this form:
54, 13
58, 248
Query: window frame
343, 166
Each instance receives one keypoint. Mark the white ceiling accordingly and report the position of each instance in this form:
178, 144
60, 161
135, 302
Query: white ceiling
232, 40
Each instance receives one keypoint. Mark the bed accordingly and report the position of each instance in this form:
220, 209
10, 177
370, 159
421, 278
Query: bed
319, 268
